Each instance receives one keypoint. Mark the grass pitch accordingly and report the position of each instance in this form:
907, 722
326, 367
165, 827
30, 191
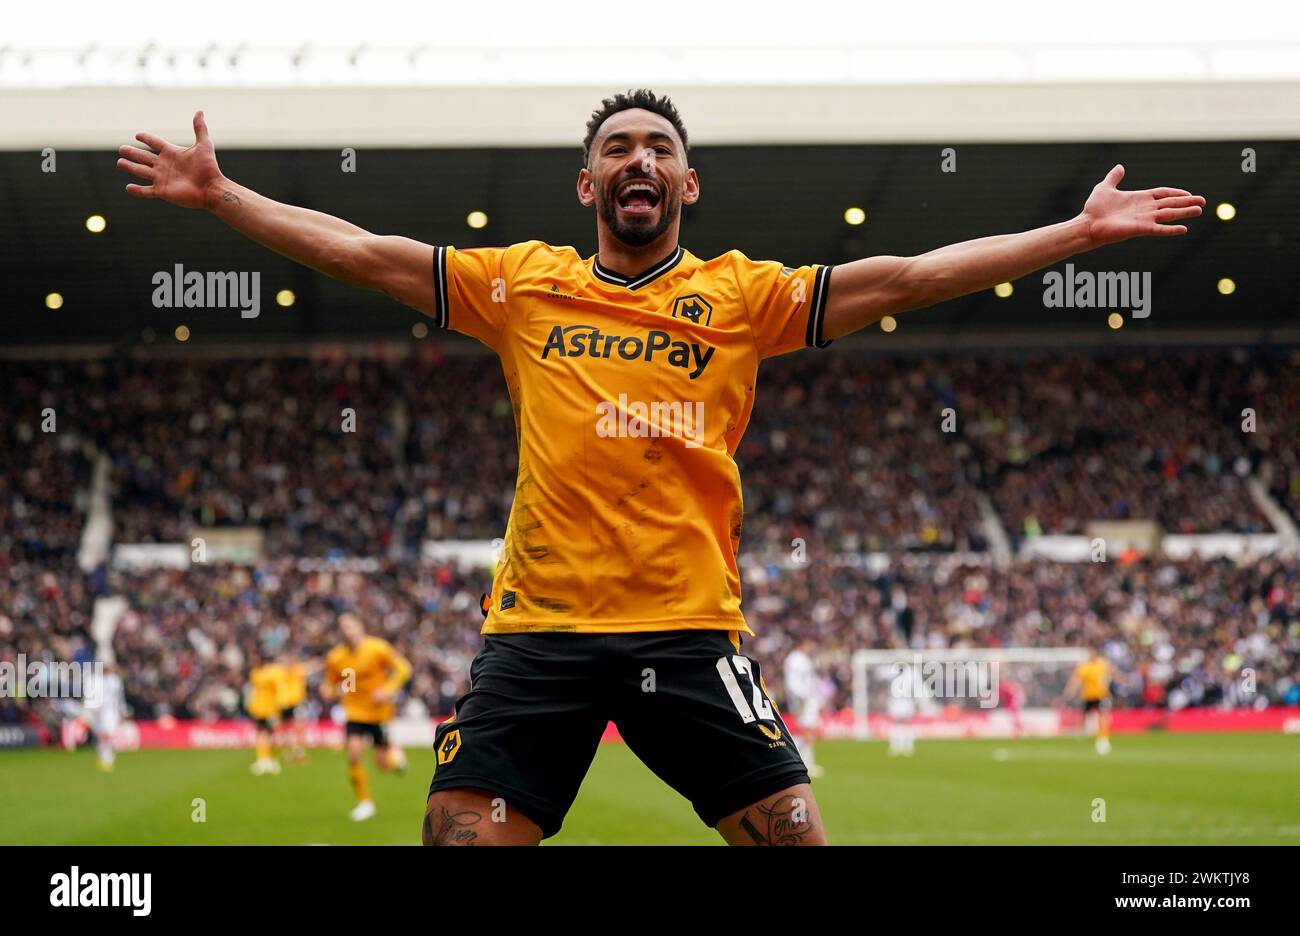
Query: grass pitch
1157, 789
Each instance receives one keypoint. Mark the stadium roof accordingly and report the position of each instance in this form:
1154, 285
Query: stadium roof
777, 202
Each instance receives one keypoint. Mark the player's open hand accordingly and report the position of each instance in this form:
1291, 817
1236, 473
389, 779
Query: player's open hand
1113, 216
181, 176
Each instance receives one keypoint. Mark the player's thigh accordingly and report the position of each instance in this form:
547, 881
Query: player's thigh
787, 817
528, 729
468, 816
378, 737
693, 708
355, 746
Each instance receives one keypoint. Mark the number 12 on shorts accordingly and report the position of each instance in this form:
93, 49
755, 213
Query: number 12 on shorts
761, 705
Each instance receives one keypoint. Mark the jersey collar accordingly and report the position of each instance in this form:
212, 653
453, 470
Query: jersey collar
641, 279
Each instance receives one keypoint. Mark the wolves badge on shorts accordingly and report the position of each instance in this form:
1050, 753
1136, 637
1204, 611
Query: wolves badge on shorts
450, 745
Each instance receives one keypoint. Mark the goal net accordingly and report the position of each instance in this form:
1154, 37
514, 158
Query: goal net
962, 693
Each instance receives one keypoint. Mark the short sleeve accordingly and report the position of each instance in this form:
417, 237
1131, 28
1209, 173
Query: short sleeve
470, 287
786, 305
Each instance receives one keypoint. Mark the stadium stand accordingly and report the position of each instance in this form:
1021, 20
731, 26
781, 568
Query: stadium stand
847, 451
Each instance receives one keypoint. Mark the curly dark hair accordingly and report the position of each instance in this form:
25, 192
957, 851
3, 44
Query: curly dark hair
642, 98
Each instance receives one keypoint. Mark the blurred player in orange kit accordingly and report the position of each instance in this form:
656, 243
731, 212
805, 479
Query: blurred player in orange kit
365, 673
1091, 682
263, 706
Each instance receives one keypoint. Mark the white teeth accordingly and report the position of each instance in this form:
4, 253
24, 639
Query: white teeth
637, 187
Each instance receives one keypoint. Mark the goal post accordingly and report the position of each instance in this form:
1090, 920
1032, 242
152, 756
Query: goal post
987, 683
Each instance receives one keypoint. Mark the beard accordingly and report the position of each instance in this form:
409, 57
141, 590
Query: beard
640, 231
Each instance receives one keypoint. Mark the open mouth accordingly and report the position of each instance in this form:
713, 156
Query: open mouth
638, 197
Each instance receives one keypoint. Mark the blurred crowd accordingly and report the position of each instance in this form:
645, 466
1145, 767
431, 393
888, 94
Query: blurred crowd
45, 614
848, 452
329, 456
45, 462
856, 451
1200, 632
188, 637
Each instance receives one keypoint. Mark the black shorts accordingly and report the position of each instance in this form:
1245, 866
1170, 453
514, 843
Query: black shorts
267, 724
687, 703
289, 714
376, 733
1095, 705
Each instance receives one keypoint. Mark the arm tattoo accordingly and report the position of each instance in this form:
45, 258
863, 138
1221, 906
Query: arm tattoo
451, 828
231, 197
777, 824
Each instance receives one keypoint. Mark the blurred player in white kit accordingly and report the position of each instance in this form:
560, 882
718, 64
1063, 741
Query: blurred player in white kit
902, 709
803, 700
104, 708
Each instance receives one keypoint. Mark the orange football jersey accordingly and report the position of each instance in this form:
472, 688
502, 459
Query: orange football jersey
264, 689
630, 395
1094, 679
372, 665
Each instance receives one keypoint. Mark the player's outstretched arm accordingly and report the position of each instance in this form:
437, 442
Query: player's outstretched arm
865, 291
190, 178
399, 672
